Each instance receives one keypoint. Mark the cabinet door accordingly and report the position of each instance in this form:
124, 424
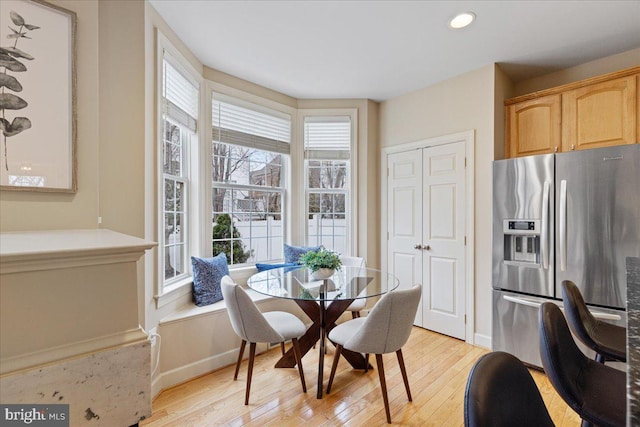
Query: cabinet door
599, 115
534, 126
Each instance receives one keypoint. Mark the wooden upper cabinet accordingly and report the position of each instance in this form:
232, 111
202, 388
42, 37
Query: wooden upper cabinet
597, 112
599, 115
533, 127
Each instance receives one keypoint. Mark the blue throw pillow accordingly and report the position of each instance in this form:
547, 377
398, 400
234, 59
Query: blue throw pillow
207, 273
265, 267
293, 253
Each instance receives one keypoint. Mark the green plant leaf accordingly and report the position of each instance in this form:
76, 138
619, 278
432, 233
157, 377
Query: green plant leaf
11, 64
15, 127
17, 19
321, 259
9, 101
10, 82
17, 53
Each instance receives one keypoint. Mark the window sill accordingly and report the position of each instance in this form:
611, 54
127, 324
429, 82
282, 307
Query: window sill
174, 292
191, 310
183, 287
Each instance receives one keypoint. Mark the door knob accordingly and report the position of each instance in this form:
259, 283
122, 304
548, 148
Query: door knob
417, 246
427, 247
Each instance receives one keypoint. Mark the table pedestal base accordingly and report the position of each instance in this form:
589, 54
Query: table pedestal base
324, 320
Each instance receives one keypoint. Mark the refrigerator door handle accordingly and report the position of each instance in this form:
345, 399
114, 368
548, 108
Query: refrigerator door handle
522, 301
531, 303
544, 227
563, 225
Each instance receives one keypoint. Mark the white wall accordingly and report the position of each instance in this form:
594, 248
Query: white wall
463, 103
594, 68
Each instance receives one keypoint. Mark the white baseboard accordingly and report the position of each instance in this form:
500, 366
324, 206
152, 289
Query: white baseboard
193, 370
481, 340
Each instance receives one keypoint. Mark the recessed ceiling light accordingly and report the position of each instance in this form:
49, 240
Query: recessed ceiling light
461, 20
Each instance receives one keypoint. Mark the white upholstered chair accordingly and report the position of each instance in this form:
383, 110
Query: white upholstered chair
359, 304
254, 326
385, 330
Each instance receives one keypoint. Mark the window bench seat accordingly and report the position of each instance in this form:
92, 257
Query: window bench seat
191, 310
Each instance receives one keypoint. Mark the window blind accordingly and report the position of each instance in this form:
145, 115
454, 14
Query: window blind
238, 125
180, 97
327, 138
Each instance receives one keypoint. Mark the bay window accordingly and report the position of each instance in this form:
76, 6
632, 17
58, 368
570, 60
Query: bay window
237, 192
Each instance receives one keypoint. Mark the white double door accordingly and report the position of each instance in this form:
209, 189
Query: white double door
426, 226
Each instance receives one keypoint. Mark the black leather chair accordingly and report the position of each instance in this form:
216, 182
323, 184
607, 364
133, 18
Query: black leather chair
607, 340
501, 393
596, 392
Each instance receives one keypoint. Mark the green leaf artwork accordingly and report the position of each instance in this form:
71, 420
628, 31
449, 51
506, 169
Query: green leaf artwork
10, 57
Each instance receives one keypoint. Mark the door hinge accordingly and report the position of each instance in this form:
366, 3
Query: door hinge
465, 162
387, 172
465, 240
465, 319
387, 235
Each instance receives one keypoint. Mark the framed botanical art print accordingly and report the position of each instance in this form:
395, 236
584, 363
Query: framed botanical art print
37, 97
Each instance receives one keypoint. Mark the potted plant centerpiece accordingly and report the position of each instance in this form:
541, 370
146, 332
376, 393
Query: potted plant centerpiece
322, 263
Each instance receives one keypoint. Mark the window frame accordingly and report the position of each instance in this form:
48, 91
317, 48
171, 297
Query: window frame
168, 291
351, 211
185, 137
223, 93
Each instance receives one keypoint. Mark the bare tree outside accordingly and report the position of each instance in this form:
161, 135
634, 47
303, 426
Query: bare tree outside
327, 174
226, 160
250, 171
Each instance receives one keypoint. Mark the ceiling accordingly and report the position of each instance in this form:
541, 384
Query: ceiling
382, 49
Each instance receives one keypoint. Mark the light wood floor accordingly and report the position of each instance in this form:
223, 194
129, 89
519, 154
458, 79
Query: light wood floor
437, 367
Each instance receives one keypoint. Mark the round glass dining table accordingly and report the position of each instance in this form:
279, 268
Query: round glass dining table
323, 300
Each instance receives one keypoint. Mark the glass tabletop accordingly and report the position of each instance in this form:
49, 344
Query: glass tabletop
347, 283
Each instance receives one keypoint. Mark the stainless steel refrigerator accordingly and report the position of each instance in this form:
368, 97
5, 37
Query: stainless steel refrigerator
568, 216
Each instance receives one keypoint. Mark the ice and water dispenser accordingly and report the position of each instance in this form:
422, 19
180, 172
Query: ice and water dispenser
522, 241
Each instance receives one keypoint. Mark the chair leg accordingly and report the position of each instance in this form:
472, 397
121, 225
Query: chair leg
366, 362
354, 314
298, 355
383, 386
235, 376
252, 356
282, 347
334, 366
404, 373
